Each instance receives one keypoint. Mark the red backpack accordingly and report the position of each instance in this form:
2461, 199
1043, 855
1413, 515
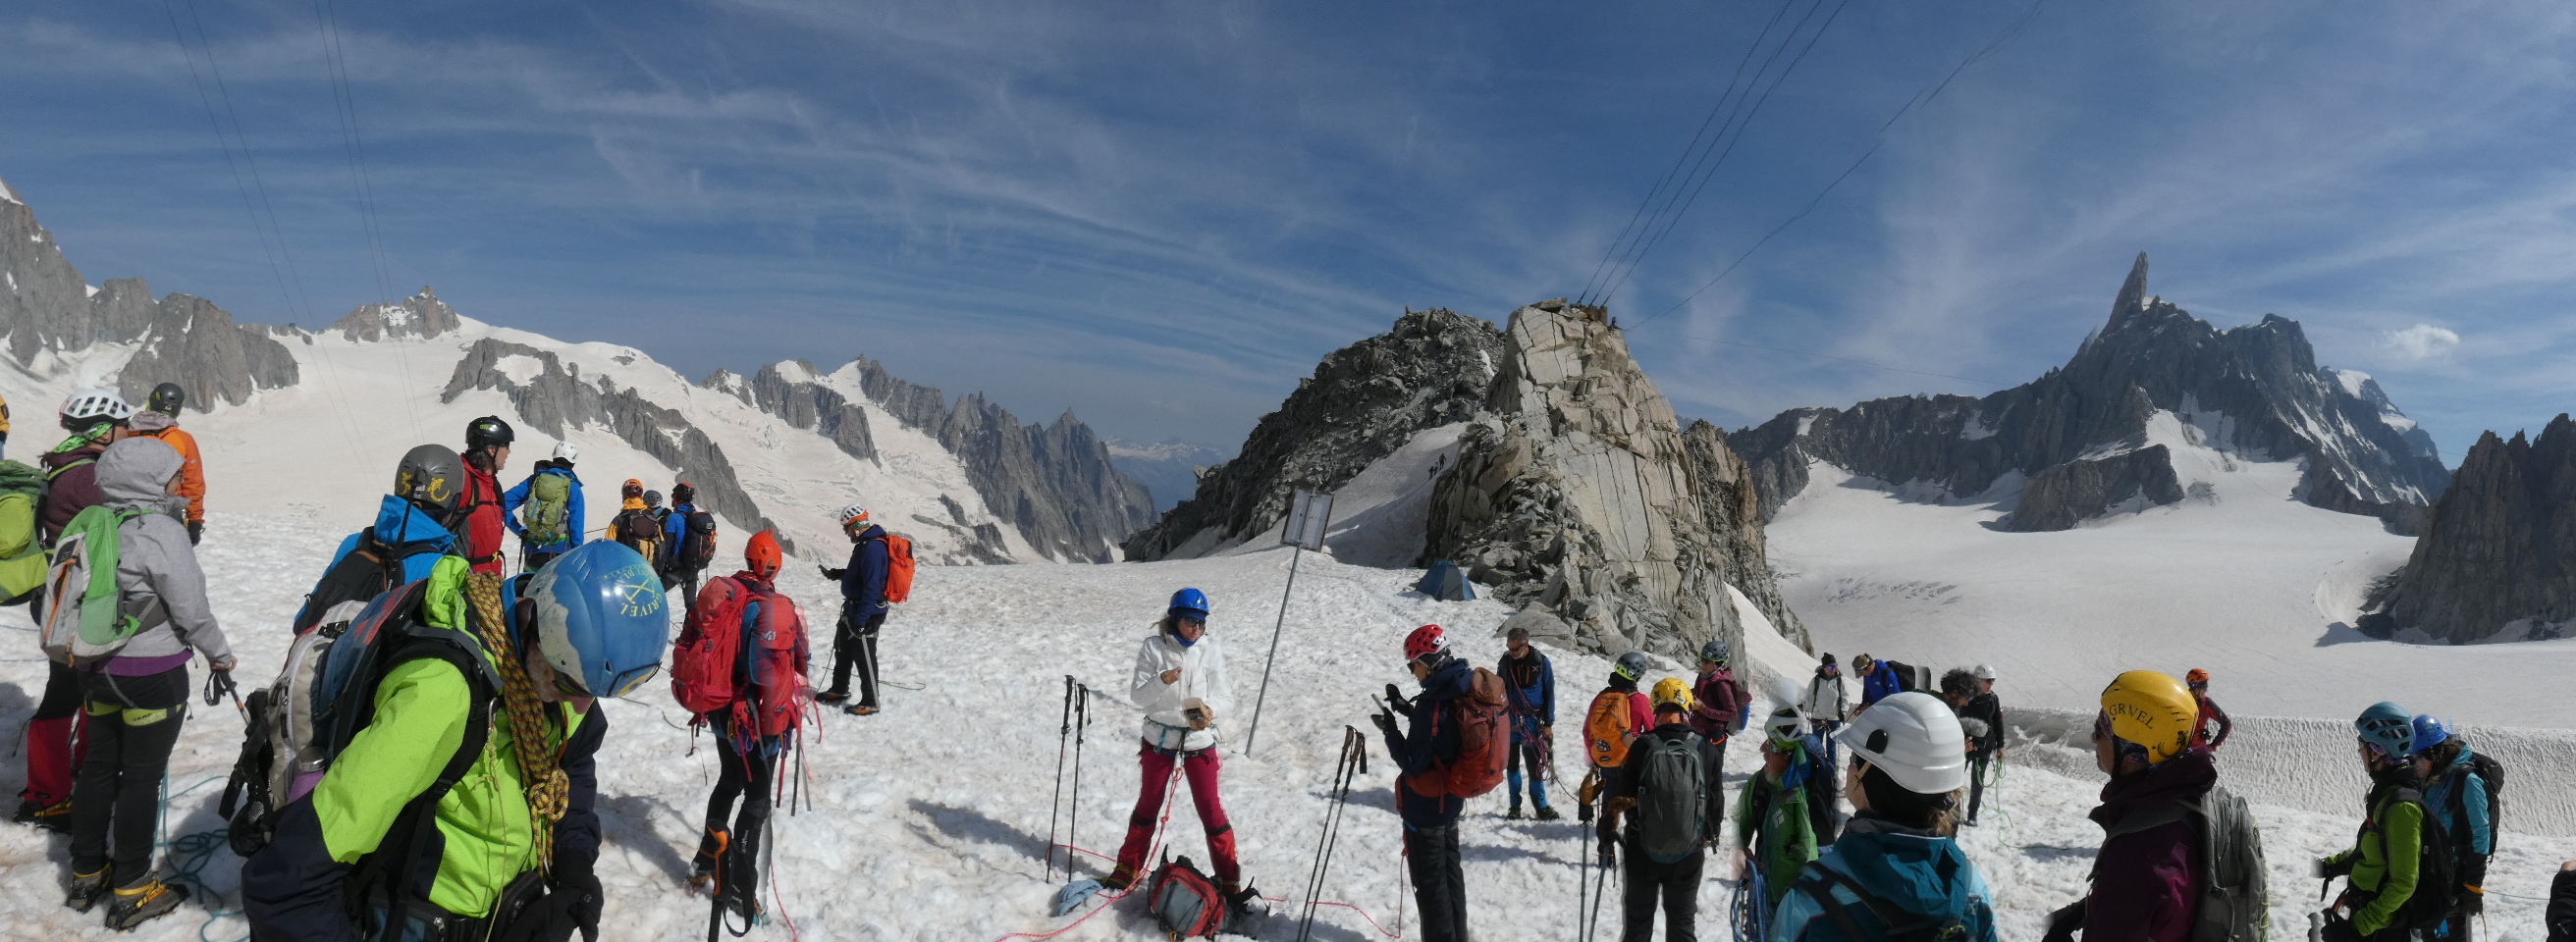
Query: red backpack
1484, 746
702, 662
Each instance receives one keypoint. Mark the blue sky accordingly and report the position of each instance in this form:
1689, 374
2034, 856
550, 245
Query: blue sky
1161, 215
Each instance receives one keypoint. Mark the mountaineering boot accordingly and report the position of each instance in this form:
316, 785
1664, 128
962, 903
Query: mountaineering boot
859, 709
1548, 814
143, 901
835, 695
711, 850
86, 889
53, 817
1514, 814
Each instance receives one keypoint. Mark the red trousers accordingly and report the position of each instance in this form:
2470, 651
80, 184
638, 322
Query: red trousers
55, 743
1201, 768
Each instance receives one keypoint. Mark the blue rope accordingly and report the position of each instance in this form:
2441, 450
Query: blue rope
190, 854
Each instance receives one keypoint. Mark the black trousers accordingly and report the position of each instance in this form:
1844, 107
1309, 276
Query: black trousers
1439, 881
746, 774
688, 579
534, 560
133, 724
1677, 884
854, 644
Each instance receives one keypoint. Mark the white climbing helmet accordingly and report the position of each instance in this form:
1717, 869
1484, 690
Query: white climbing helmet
853, 513
1915, 739
565, 451
1985, 672
1786, 725
95, 403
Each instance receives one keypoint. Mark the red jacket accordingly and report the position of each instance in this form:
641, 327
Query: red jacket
2146, 885
2209, 711
1720, 704
483, 519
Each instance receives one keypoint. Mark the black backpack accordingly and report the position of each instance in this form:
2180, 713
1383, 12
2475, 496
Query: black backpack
2437, 882
2491, 776
1909, 678
698, 545
371, 568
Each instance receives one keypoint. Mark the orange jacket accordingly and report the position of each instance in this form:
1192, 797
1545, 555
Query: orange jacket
192, 470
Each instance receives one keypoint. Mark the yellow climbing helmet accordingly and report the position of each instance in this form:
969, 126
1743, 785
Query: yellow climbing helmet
2152, 710
1673, 691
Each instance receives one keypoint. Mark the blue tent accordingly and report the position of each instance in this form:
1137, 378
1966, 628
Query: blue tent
1447, 583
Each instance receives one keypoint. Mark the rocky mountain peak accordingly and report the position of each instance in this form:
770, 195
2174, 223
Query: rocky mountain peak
2074, 444
2497, 558
421, 315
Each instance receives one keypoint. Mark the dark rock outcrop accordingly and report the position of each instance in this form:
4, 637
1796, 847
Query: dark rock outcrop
1363, 402
812, 406
2254, 391
195, 344
2497, 559
1578, 494
557, 400
421, 315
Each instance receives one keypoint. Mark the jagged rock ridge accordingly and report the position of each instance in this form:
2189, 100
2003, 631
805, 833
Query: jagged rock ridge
2074, 443
557, 400
1363, 402
422, 315
2497, 559
1578, 496
47, 308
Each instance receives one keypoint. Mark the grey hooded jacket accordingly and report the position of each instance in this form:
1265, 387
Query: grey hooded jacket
157, 579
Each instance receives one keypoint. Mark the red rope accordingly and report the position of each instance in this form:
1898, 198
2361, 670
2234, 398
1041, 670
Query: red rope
1372, 921
1170, 788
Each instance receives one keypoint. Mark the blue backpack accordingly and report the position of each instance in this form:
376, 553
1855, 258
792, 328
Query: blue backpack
1872, 918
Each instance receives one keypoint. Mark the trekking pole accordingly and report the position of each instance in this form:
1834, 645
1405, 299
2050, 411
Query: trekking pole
1353, 762
1063, 734
1073, 815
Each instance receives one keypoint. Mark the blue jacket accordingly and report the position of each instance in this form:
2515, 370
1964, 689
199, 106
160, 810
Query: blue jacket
863, 581
1879, 685
1909, 869
401, 526
1529, 690
1424, 748
572, 513
675, 529
2473, 802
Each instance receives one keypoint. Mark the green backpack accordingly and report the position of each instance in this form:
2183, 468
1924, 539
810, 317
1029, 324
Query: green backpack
22, 550
551, 496
83, 622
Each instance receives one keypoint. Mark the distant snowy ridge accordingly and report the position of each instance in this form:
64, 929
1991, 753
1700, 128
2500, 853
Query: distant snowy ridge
971, 483
2074, 445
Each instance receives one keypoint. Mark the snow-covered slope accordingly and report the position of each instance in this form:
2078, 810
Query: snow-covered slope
2238, 578
928, 820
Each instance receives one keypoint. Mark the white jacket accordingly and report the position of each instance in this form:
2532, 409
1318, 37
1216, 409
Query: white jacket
1827, 699
1202, 678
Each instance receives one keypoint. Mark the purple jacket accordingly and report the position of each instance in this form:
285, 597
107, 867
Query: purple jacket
2146, 885
1721, 704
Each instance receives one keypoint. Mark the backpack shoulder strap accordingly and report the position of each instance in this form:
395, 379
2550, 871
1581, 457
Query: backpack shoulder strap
389, 877
1818, 882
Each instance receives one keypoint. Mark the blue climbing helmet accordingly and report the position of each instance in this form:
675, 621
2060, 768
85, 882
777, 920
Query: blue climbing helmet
2430, 731
601, 618
1190, 602
1715, 652
2387, 729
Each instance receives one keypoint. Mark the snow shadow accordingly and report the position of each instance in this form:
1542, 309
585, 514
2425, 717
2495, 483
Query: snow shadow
2342, 633
971, 825
626, 821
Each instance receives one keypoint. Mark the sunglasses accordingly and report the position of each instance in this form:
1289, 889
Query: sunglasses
1192, 622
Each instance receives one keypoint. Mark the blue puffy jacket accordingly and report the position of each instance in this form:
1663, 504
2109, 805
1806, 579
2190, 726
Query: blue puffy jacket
2474, 801
675, 533
1907, 868
1879, 685
511, 501
863, 581
405, 529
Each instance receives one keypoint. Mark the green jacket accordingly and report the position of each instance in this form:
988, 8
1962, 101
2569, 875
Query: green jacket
1771, 819
2385, 859
485, 827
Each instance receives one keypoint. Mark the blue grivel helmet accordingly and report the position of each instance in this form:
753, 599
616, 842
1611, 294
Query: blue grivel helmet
1191, 602
601, 619
2430, 731
2387, 728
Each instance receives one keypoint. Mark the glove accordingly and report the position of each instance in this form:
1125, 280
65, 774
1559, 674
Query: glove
1609, 853
196, 531
2063, 923
578, 900
1395, 698
1386, 728
832, 574
546, 920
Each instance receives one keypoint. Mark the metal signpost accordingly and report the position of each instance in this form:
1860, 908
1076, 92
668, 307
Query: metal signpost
1309, 514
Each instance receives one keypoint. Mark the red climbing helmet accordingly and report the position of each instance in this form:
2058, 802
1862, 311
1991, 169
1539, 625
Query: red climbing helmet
1427, 639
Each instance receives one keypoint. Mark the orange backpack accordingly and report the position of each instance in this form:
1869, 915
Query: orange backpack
1608, 726
1484, 747
898, 587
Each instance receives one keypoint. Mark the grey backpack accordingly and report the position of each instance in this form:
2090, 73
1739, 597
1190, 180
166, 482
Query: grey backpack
1672, 799
2235, 902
